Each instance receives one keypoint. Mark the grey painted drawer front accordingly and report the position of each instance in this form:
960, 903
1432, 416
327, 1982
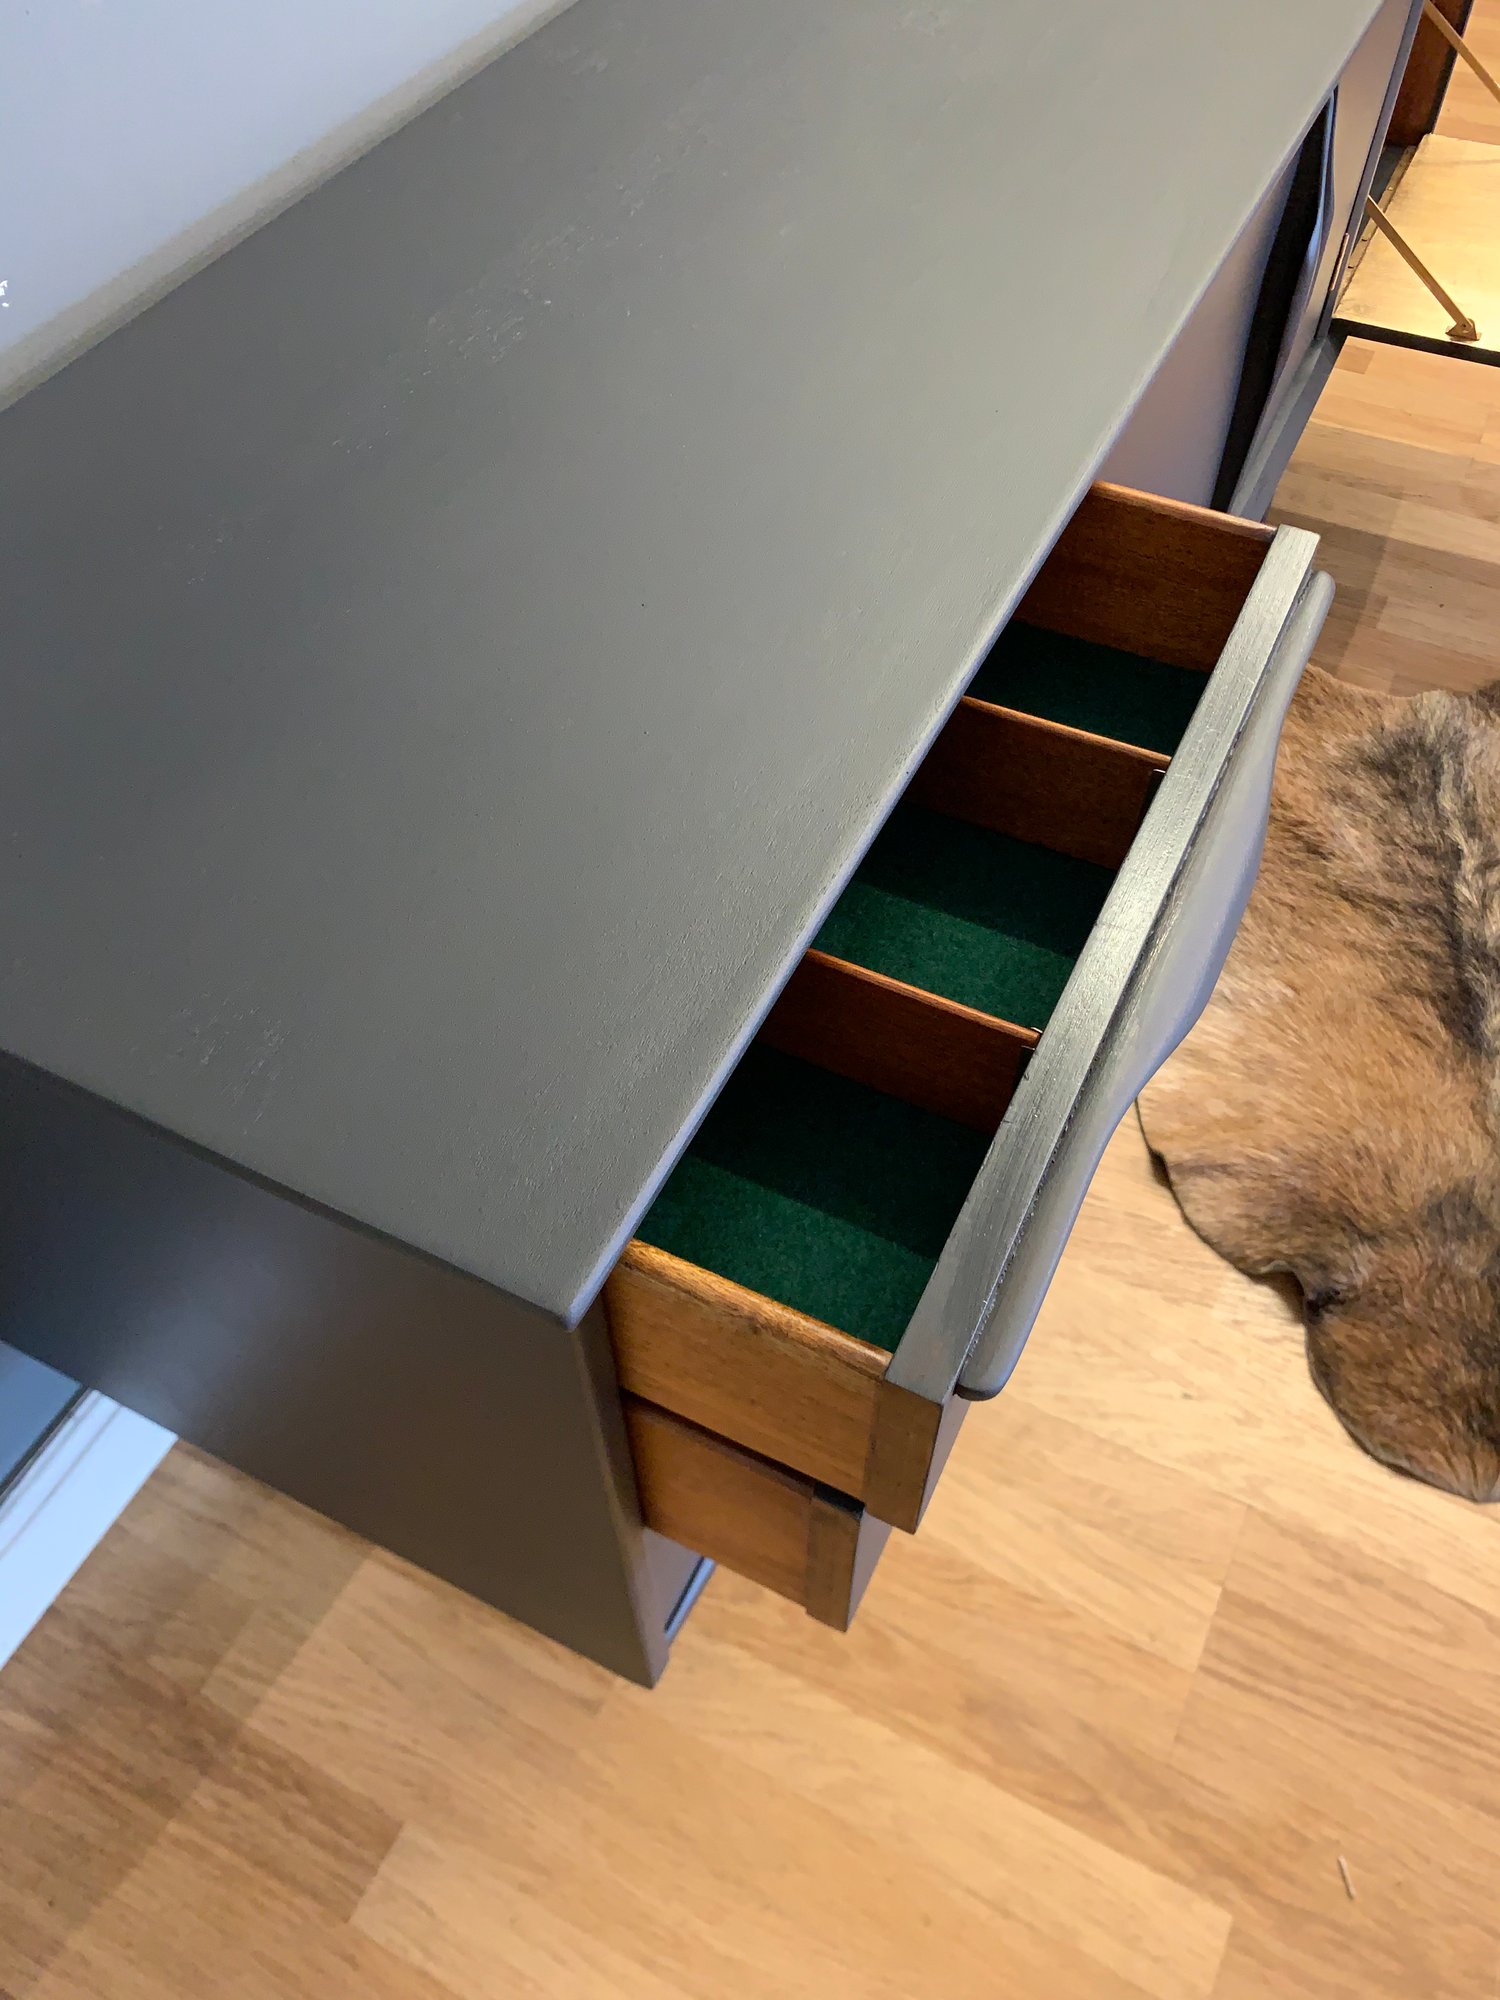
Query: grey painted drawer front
1144, 576
1142, 981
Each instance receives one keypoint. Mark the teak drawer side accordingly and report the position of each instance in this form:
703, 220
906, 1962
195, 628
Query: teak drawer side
743, 1365
774, 1526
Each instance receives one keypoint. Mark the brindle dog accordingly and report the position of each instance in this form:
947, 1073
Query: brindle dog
1336, 1111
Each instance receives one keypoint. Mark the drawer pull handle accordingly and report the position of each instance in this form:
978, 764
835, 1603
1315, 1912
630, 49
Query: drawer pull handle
1141, 982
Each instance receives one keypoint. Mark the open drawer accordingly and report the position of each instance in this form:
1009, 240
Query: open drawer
858, 1239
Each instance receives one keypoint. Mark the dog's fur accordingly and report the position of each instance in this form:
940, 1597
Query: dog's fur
1335, 1112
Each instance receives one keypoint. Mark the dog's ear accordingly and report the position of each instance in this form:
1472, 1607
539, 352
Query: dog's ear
1409, 1359
1268, 1210
1408, 1353
1326, 1252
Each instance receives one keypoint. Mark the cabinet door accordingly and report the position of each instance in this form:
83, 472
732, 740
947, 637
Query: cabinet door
1243, 350
1366, 94
1176, 437
1343, 148
1277, 397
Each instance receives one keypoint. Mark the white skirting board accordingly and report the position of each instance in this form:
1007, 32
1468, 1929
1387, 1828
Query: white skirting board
65, 1501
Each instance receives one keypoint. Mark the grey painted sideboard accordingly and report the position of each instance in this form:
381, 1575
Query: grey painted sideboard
460, 645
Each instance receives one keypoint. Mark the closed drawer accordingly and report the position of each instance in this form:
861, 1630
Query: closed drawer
769, 1523
858, 1239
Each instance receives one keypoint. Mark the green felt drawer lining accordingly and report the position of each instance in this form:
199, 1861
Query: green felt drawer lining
830, 1196
953, 908
1087, 686
818, 1192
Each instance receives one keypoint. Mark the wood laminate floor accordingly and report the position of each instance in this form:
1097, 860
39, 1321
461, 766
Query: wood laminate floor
1166, 1650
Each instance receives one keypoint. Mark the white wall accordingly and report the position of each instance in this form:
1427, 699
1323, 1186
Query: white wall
139, 136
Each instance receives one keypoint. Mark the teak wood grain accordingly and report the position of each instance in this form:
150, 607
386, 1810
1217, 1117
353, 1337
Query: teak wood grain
1151, 576
729, 1504
773, 1381
1040, 781
768, 1524
845, 1544
759, 1372
930, 1051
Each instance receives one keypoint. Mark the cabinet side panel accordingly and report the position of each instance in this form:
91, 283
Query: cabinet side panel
416, 1406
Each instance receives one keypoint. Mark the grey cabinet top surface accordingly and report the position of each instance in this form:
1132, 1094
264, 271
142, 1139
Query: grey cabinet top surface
456, 646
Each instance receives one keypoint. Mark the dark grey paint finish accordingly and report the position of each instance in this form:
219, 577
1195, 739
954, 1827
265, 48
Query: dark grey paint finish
409, 1402
1361, 111
697, 1582
1366, 97
1283, 425
1175, 439
458, 644
1139, 984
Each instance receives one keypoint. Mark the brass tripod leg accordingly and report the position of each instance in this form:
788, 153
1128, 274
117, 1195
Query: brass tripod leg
1463, 328
1450, 34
